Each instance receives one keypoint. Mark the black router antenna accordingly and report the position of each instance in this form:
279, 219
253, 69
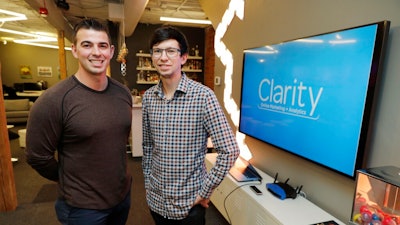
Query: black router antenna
298, 189
276, 177
286, 181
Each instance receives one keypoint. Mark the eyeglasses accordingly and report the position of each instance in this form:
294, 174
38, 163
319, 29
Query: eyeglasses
171, 52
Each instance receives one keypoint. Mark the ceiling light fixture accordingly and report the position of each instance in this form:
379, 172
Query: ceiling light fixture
182, 20
23, 33
43, 10
36, 41
13, 16
40, 45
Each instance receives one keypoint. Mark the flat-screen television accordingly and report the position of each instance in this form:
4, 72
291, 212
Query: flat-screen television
313, 96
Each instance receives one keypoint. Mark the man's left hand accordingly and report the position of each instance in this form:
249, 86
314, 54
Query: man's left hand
202, 201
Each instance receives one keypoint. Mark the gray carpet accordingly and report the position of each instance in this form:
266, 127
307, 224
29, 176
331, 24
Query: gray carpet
36, 195
47, 193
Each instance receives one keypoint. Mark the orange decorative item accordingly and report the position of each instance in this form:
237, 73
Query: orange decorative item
122, 54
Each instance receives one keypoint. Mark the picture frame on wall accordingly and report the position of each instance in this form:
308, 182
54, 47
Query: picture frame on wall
25, 72
44, 71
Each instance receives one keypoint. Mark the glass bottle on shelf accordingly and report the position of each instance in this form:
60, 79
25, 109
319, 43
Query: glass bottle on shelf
148, 76
141, 63
190, 64
147, 63
196, 51
198, 64
140, 76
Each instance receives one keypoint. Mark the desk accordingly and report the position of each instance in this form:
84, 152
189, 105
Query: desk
240, 205
31, 95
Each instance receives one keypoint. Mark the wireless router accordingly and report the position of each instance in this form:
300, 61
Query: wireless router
282, 190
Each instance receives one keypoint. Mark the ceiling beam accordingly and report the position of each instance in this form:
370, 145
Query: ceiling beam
133, 10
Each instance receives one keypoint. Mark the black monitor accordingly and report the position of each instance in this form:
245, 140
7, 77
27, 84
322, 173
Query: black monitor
313, 96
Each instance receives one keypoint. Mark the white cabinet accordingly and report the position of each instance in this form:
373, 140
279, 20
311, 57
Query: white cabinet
241, 206
136, 131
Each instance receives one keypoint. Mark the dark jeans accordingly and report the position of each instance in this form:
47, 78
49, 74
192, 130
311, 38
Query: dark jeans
69, 215
197, 216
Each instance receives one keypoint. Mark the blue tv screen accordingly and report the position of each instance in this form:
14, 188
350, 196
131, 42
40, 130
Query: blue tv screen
313, 96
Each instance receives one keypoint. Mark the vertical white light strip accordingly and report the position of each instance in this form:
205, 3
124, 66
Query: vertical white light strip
236, 7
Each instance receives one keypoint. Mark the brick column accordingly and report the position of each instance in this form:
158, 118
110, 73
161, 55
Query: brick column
209, 57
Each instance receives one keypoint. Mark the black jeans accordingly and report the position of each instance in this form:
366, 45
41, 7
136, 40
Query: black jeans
197, 216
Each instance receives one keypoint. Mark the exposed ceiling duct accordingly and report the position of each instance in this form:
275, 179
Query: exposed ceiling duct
62, 15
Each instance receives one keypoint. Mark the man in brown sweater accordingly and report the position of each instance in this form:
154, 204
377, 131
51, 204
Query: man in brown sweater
86, 118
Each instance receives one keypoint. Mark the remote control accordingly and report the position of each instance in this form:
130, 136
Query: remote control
256, 190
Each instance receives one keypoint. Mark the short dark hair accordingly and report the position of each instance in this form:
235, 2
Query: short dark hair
168, 32
94, 24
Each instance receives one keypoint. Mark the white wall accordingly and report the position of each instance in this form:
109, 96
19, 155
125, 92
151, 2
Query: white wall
273, 21
13, 55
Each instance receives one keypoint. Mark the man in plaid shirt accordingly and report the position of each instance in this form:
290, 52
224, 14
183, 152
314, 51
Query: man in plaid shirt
179, 114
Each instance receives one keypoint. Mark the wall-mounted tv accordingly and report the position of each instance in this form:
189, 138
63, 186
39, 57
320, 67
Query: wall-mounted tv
313, 96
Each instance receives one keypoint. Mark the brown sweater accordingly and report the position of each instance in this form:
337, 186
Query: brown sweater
90, 130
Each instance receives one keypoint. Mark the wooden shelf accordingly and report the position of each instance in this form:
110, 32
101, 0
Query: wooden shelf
153, 69
147, 55
146, 68
147, 82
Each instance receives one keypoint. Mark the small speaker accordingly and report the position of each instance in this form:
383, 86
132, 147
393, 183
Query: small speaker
62, 4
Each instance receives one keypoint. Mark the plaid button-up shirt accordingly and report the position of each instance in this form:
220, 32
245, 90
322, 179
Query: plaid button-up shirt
175, 133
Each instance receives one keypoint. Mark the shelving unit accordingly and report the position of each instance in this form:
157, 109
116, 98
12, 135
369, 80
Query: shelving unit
147, 74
